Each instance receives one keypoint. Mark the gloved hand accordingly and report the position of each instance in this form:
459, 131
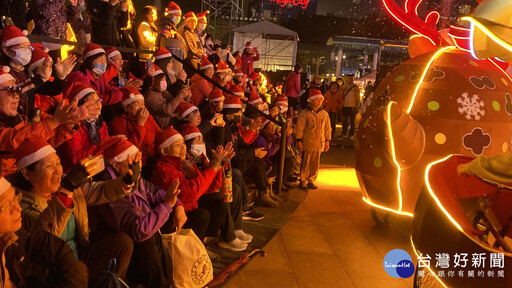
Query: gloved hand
75, 178
134, 169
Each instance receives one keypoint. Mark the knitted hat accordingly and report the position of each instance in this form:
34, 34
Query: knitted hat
167, 136
158, 71
115, 149
189, 131
190, 16
39, 54
255, 98
30, 151
222, 67
216, 95
5, 75
173, 8
232, 102
201, 17
237, 91
315, 94
12, 35
239, 72
4, 185
248, 45
254, 76
78, 90
130, 95
185, 108
111, 52
281, 100
162, 53
205, 63
92, 49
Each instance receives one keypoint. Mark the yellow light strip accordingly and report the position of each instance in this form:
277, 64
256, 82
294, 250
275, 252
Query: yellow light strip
369, 202
488, 33
435, 197
439, 52
424, 263
392, 140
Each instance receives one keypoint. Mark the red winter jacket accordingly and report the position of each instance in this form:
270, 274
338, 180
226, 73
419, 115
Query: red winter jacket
200, 89
79, 146
293, 84
108, 93
248, 62
143, 137
167, 169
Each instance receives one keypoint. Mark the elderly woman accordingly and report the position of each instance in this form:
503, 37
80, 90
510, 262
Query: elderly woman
60, 205
160, 103
33, 258
138, 126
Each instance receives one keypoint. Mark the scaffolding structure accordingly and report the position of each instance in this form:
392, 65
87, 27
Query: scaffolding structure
225, 15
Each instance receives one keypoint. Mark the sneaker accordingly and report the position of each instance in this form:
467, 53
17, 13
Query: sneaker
235, 245
244, 237
303, 186
252, 215
275, 197
312, 186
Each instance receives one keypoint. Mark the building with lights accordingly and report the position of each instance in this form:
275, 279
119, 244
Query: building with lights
282, 9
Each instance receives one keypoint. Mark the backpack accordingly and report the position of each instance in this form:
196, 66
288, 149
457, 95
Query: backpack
108, 278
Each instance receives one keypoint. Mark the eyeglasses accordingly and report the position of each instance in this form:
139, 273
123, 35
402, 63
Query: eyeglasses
8, 206
12, 90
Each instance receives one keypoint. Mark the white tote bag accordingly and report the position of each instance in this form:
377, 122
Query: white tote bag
191, 265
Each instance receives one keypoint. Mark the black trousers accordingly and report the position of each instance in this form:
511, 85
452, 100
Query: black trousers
256, 172
349, 119
148, 266
333, 118
289, 163
238, 179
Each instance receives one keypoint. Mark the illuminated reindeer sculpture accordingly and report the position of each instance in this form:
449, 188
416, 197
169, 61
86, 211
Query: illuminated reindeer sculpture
444, 100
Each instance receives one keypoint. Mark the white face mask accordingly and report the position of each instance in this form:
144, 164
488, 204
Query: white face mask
23, 56
198, 149
283, 109
266, 111
228, 77
175, 19
163, 85
200, 27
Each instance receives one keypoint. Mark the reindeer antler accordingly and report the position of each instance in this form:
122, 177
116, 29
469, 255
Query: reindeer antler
409, 18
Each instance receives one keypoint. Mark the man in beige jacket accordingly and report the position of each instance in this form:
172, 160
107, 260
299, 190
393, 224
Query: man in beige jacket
313, 133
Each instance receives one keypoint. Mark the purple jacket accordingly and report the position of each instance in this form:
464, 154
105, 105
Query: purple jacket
140, 214
261, 141
50, 17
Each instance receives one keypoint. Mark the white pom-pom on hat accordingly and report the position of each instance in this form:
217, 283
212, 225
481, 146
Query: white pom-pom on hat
6, 69
25, 32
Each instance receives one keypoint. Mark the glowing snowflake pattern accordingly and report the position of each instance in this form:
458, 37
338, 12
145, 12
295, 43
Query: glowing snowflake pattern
471, 106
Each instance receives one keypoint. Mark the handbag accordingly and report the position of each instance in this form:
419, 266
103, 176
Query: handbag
191, 265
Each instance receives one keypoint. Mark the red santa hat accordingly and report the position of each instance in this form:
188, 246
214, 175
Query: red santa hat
130, 95
248, 45
5, 75
205, 63
201, 17
281, 100
239, 72
265, 123
173, 8
255, 98
12, 35
232, 102
237, 90
254, 76
315, 94
216, 95
158, 71
185, 108
78, 90
190, 16
39, 54
115, 149
92, 49
222, 67
30, 151
111, 52
189, 131
162, 53
166, 137
4, 185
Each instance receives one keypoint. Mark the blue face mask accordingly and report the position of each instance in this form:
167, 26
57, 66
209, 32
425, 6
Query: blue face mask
99, 68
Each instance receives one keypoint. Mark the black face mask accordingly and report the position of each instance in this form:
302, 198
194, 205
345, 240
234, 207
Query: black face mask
237, 119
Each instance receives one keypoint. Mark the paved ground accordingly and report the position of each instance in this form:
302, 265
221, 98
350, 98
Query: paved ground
330, 240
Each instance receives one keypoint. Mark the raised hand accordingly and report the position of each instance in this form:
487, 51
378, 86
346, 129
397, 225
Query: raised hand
64, 67
133, 83
260, 152
182, 75
142, 116
255, 124
171, 195
45, 70
151, 71
134, 170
